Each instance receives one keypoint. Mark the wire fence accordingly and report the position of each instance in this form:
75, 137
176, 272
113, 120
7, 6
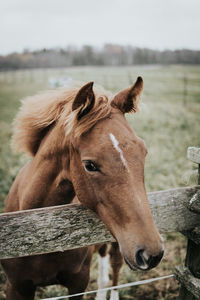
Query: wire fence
121, 286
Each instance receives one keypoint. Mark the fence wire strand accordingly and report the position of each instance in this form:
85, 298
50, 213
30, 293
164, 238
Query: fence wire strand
121, 286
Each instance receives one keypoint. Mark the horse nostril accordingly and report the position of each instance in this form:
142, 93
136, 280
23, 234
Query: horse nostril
146, 261
154, 260
141, 259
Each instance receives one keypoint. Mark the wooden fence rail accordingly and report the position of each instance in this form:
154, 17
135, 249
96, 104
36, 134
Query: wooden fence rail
65, 227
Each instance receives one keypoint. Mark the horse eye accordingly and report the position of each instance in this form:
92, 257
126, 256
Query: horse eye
90, 166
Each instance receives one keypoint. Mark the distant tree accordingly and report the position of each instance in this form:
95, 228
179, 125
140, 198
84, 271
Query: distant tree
110, 54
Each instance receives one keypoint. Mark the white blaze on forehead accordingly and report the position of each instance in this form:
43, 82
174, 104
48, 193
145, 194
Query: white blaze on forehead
116, 146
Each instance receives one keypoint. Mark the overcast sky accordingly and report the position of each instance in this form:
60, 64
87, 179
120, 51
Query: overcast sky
158, 24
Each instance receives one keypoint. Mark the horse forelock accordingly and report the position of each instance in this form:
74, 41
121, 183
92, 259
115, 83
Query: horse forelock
39, 113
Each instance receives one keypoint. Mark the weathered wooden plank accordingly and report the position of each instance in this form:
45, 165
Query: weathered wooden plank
191, 283
51, 229
193, 154
67, 227
169, 209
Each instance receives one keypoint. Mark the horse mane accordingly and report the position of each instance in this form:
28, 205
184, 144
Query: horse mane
38, 114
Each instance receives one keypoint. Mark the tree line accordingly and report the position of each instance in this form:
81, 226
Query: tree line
109, 54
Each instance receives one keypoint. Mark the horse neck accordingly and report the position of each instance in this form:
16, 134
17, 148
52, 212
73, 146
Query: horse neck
48, 178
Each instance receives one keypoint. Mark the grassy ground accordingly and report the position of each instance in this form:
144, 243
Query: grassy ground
168, 122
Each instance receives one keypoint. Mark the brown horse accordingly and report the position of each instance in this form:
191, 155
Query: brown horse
82, 145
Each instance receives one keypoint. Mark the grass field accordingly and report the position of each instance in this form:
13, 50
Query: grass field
168, 122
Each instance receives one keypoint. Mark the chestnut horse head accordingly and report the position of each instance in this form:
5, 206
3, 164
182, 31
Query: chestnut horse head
107, 171
104, 160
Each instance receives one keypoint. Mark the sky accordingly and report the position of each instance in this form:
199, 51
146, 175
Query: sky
157, 24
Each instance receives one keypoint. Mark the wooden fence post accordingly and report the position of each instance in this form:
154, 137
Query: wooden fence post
189, 276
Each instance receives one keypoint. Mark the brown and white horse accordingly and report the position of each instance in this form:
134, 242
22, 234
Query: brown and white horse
82, 146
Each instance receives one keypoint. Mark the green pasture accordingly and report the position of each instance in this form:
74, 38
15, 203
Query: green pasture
168, 122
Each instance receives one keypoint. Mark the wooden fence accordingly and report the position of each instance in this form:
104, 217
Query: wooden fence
189, 275
65, 227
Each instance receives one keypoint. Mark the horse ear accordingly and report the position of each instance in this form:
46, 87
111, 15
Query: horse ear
84, 100
127, 100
